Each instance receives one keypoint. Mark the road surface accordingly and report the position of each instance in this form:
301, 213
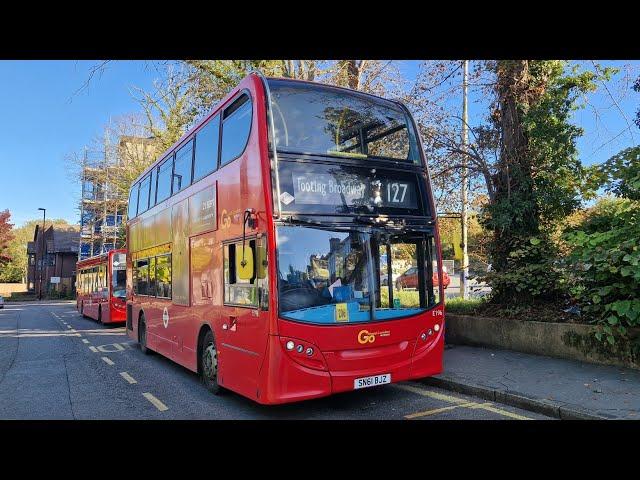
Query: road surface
54, 364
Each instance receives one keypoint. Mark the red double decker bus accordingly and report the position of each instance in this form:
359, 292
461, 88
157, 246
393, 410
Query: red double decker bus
257, 244
101, 287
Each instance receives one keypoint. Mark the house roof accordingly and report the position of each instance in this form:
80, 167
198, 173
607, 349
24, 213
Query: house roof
64, 240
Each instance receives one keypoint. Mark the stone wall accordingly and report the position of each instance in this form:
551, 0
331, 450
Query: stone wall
561, 340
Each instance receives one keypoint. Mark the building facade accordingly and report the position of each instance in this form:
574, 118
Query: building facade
51, 260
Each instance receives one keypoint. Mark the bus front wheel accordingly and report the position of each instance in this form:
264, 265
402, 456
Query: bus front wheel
209, 363
142, 335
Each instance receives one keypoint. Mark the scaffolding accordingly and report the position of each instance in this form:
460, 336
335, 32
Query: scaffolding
103, 205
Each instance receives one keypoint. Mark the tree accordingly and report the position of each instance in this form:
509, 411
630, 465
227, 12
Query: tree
526, 156
636, 87
190, 88
5, 237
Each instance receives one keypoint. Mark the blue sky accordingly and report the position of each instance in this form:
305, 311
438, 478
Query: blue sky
43, 120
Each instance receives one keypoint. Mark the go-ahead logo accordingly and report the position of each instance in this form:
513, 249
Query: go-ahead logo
364, 336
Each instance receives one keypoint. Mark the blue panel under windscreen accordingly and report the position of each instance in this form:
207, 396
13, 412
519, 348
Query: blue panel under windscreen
327, 314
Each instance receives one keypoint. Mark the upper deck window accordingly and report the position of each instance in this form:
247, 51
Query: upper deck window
236, 125
133, 201
143, 195
206, 158
164, 180
182, 168
317, 119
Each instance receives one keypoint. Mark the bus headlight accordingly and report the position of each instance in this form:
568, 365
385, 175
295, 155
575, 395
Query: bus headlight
290, 345
436, 327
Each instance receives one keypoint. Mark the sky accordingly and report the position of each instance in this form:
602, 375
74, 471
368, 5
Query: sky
44, 119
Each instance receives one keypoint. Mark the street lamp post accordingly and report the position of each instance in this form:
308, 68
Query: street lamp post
464, 270
43, 256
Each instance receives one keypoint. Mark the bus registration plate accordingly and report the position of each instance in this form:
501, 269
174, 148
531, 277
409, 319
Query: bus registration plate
365, 382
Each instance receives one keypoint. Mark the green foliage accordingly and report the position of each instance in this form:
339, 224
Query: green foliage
532, 272
621, 174
459, 305
636, 87
558, 175
540, 177
606, 259
5, 237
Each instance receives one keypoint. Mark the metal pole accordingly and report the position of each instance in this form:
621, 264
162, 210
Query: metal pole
464, 271
43, 256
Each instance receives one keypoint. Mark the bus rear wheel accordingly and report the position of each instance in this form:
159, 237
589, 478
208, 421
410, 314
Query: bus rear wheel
142, 336
209, 363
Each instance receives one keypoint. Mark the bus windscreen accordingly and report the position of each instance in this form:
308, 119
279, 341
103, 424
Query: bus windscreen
315, 119
119, 275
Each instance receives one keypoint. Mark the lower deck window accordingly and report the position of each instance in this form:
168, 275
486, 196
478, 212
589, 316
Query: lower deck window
239, 291
152, 276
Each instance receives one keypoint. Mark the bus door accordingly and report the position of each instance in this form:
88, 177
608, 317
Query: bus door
244, 326
206, 288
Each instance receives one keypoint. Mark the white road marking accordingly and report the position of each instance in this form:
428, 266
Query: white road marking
128, 378
156, 403
107, 361
93, 349
118, 348
84, 340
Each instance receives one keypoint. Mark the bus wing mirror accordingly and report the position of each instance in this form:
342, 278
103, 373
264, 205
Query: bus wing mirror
244, 262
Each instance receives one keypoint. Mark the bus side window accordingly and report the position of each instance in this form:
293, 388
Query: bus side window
143, 195
142, 277
163, 276
152, 277
134, 278
236, 125
133, 201
433, 290
206, 156
262, 273
182, 167
236, 290
165, 171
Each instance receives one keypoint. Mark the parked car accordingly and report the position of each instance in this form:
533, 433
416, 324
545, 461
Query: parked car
409, 279
1, 301
384, 278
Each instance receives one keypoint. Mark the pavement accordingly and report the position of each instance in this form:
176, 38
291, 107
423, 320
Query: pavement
55, 364
558, 388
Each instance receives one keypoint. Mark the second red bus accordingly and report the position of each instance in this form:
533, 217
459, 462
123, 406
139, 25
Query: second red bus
101, 287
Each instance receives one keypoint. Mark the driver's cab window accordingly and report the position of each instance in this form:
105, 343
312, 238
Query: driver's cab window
400, 286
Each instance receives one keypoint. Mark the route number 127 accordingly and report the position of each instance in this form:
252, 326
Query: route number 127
396, 192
